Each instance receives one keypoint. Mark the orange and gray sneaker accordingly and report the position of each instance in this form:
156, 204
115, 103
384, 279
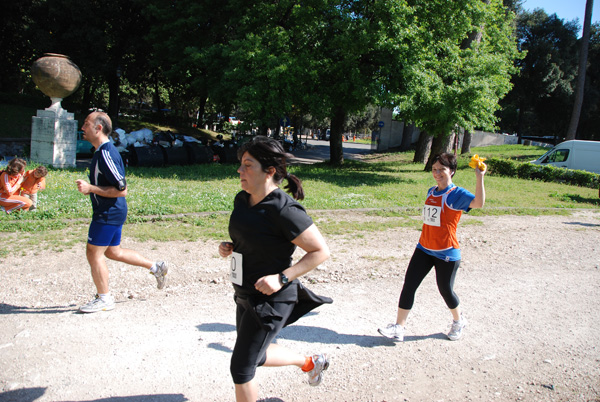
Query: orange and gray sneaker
315, 376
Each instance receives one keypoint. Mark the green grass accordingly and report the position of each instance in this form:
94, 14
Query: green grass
193, 202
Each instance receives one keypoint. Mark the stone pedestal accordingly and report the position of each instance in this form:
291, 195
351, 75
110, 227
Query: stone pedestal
54, 137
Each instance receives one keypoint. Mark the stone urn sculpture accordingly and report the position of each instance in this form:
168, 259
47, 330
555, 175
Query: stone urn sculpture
56, 76
54, 130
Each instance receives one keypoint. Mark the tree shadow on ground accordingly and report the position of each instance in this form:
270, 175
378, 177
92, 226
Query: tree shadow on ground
10, 309
142, 398
589, 225
581, 200
22, 395
32, 394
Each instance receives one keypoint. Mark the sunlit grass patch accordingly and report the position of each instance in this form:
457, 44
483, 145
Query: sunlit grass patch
185, 228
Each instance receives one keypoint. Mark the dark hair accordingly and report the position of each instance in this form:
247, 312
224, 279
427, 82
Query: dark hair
42, 170
15, 166
270, 153
448, 160
102, 119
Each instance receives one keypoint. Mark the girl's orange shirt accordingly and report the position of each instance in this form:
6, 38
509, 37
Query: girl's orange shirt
31, 184
10, 184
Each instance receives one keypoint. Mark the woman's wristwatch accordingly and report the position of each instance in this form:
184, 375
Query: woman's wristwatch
283, 279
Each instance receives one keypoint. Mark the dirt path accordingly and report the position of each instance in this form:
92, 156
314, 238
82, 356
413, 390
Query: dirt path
529, 286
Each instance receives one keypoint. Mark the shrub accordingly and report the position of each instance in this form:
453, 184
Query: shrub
502, 167
526, 170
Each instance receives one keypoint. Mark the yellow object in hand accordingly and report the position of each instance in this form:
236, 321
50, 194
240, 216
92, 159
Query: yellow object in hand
477, 162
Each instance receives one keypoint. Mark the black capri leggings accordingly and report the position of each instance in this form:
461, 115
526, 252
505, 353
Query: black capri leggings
418, 268
253, 338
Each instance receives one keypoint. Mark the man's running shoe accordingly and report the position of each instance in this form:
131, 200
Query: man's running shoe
393, 331
161, 274
315, 376
97, 304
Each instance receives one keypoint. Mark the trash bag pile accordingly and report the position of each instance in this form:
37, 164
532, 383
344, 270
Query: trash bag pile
145, 148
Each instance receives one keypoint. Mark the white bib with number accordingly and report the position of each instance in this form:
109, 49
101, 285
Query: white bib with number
431, 215
236, 270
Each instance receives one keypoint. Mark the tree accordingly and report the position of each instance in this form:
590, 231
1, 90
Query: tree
541, 97
583, 56
17, 54
190, 41
473, 38
110, 43
452, 85
361, 49
589, 126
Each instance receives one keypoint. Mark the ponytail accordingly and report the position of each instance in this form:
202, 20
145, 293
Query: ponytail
294, 187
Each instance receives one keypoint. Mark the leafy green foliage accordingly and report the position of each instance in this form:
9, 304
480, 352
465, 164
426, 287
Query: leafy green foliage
453, 84
509, 168
541, 101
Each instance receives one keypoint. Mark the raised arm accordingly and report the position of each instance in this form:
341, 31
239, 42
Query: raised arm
479, 199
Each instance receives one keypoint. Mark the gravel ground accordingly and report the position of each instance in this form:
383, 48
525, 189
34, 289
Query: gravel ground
529, 287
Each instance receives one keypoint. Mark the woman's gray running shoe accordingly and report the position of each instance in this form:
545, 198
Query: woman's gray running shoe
315, 376
456, 332
393, 331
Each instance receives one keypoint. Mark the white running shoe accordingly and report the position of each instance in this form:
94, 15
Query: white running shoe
456, 332
161, 274
315, 376
393, 331
97, 304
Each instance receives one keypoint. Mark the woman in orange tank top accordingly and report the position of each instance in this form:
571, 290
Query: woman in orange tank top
438, 245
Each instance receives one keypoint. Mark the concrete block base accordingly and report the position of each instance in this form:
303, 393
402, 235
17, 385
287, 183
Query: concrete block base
54, 137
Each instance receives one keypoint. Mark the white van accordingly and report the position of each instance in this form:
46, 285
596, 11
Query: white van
574, 154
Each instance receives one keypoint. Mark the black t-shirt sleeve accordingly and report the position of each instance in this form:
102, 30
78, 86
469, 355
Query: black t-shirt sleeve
293, 221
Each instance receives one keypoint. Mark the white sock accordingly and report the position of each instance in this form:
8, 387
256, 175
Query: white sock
153, 268
105, 296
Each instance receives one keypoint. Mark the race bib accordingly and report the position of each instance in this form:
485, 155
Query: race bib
431, 215
236, 270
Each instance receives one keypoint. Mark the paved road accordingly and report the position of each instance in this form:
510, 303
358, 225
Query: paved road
318, 151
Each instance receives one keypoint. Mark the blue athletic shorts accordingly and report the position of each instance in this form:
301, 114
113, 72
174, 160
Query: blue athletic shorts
101, 234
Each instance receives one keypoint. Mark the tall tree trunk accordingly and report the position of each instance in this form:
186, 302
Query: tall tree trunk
474, 37
277, 133
336, 151
440, 144
89, 89
466, 144
407, 135
520, 121
423, 147
202, 108
113, 98
583, 56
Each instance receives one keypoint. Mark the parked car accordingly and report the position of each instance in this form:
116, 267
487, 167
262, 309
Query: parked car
573, 154
83, 146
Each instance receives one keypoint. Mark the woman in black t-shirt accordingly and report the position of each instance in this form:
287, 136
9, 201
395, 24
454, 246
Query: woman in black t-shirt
265, 227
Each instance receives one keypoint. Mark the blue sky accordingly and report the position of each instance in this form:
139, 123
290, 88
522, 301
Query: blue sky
565, 9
